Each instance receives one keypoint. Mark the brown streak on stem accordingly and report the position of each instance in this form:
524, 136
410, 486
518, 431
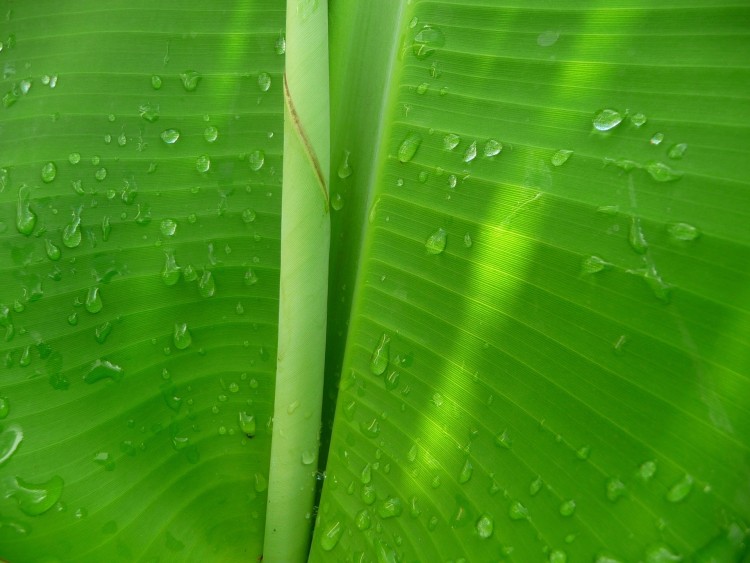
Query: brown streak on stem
306, 143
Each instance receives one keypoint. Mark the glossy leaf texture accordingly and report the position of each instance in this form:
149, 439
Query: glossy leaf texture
140, 200
547, 356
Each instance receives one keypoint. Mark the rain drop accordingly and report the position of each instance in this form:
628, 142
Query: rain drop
181, 337
203, 163
257, 159
264, 81
409, 147
190, 79
345, 169
561, 157
681, 489
380, 355
435, 243
471, 152
492, 148
607, 119
49, 171
25, 217
93, 301
211, 133
170, 136
451, 141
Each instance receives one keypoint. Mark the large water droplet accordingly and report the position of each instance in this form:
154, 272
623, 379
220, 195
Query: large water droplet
190, 80
330, 535
53, 251
25, 217
409, 147
345, 169
203, 163
390, 507
211, 133
607, 119
485, 526
492, 148
93, 301
206, 284
170, 136
103, 369
256, 160
10, 438
435, 243
49, 171
451, 141
181, 337
247, 424
427, 41
471, 152
35, 498
380, 355
681, 489
264, 81
466, 470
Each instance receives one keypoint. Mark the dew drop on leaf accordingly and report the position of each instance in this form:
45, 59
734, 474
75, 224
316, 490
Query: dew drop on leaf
49, 172
676, 152
210, 133
345, 169
451, 141
103, 369
409, 147
681, 489
330, 535
264, 81
337, 202
380, 355
594, 264
662, 172
427, 41
10, 438
247, 424
435, 243
182, 337
190, 80
683, 232
156, 82
53, 251
607, 119
466, 470
35, 498
390, 507
25, 217
558, 556
206, 284
4, 408
485, 526
657, 139
471, 152
635, 236
170, 136
561, 157
203, 163
257, 159
363, 520
518, 511
638, 119
567, 508
93, 301
615, 489
492, 148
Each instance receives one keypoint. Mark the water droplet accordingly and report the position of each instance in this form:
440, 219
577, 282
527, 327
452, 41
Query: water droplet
607, 119
661, 554
366, 474
102, 332
49, 171
248, 215
330, 535
25, 217
662, 172
345, 169
256, 160
370, 429
492, 148
102, 369
683, 232
4, 410
680, 489
536, 486
435, 243
264, 81
638, 119
337, 202
250, 277
53, 251
168, 227
561, 157
247, 424
93, 300
170, 136
558, 556
10, 438
307, 457
381, 355
615, 489
106, 228
547, 38
203, 163
427, 41
100, 174
35, 498
471, 152
504, 440
635, 236
518, 511
583, 452
104, 459
466, 471
647, 470
657, 139
156, 82
390, 507
567, 508
211, 133
362, 519
422, 88
280, 45
190, 79
594, 264
451, 141
409, 147
677, 151
181, 337
392, 380
206, 284
148, 112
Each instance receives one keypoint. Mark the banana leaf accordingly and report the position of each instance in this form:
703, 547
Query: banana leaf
535, 320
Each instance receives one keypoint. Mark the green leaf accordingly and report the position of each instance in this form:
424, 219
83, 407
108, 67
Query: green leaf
547, 358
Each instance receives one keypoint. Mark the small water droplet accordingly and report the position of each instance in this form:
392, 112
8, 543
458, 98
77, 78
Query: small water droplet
638, 119
409, 147
10, 438
280, 45
504, 440
683, 232
390, 507
206, 284
93, 301
25, 217
256, 160
337, 202
148, 112
345, 169
190, 80
451, 141
492, 148
247, 424
181, 337
106, 228
170, 136
466, 470
363, 520
380, 355
535, 486
422, 88
558, 556
583, 452
264, 81
662, 172
567, 508
168, 227
35, 498
330, 535
471, 152
103, 369
203, 163
156, 82
435, 243
428, 40
102, 332
251, 277
635, 236
681, 489
594, 264
370, 429
53, 251
49, 171
518, 511
657, 139
4, 410
211, 133
615, 489
677, 151
607, 119
561, 157
100, 174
